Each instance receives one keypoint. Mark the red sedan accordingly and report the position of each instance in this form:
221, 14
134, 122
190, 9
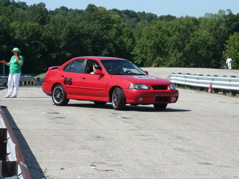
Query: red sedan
107, 79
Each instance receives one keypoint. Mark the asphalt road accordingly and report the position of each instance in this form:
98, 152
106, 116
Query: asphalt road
195, 138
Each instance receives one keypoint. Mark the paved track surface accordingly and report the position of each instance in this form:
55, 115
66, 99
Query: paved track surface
195, 138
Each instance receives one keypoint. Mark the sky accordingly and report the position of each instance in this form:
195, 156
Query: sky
178, 8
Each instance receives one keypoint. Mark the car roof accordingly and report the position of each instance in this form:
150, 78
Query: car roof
102, 58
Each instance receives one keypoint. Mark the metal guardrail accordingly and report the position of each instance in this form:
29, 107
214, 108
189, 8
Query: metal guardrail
12, 162
217, 83
25, 80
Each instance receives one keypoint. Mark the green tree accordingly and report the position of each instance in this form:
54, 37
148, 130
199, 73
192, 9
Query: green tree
216, 25
199, 52
232, 50
6, 38
52, 37
29, 38
163, 43
38, 13
104, 33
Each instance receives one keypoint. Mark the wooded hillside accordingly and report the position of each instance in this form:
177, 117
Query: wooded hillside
51, 37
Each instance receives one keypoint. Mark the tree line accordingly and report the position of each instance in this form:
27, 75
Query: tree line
51, 37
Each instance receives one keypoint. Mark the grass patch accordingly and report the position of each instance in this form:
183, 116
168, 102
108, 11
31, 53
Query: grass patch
42, 75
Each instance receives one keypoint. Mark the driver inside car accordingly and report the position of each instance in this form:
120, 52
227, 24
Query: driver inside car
95, 67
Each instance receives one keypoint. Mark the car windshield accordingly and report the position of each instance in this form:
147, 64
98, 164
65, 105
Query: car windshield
121, 67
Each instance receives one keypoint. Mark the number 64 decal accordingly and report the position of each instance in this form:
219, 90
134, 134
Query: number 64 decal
68, 81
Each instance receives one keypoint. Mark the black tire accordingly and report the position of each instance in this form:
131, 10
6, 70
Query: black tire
160, 107
59, 96
99, 103
118, 99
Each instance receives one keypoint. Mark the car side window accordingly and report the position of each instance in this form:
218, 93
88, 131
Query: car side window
75, 66
91, 66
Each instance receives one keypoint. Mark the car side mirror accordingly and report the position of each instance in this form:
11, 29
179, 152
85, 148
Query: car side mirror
146, 72
98, 72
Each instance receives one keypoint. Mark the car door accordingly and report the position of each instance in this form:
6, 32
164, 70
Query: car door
93, 86
71, 77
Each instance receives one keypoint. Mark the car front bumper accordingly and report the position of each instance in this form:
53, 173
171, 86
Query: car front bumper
151, 96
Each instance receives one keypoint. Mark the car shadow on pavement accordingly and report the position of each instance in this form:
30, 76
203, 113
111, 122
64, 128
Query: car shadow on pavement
139, 108
32, 164
151, 109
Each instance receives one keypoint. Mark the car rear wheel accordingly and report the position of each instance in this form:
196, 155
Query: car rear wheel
160, 107
99, 103
118, 99
59, 96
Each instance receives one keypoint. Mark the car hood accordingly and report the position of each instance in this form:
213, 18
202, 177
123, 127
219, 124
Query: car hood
141, 79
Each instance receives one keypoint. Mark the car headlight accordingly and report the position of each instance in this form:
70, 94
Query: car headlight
138, 86
172, 86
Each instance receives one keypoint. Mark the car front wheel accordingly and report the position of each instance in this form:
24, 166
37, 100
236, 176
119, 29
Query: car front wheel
160, 107
118, 99
59, 96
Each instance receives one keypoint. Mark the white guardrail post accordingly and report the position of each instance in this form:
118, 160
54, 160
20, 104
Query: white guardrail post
219, 84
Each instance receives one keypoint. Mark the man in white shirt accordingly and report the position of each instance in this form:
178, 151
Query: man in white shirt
229, 63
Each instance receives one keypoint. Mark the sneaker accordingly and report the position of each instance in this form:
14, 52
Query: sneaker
7, 96
13, 96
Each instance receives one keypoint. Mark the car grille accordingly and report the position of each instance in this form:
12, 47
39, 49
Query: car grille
160, 87
161, 99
